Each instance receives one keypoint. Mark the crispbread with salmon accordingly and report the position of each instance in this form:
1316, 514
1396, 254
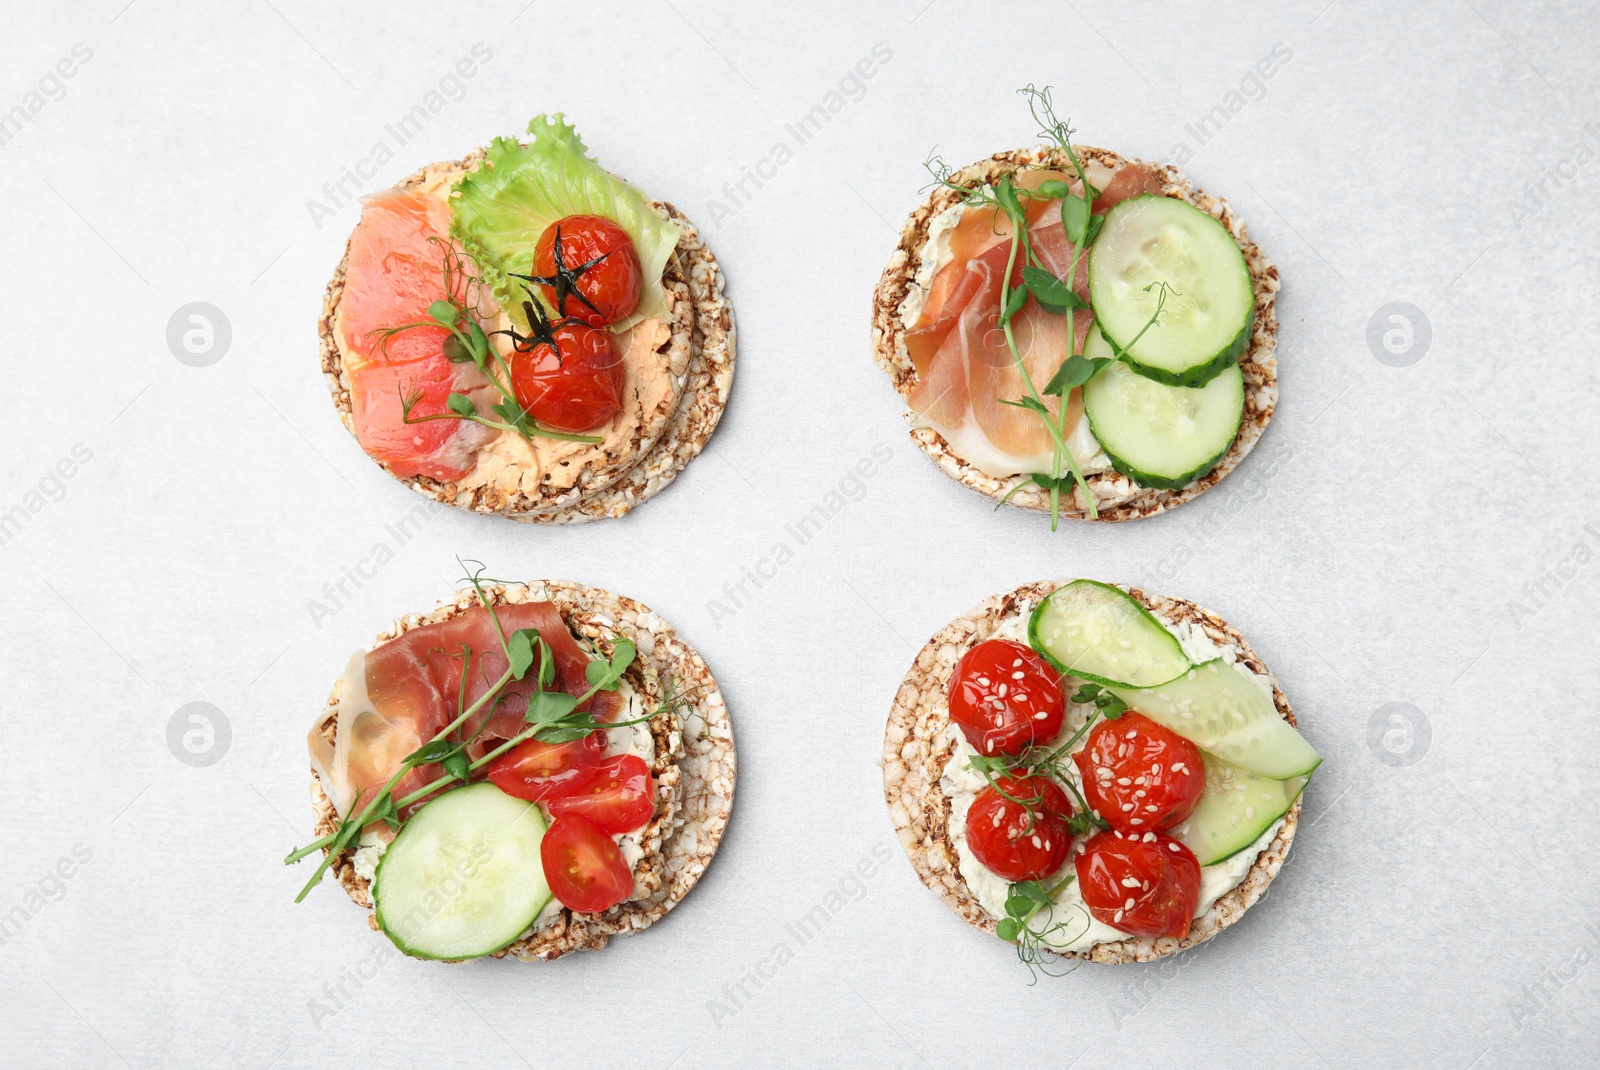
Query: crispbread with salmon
676, 414
694, 764
1118, 496
918, 744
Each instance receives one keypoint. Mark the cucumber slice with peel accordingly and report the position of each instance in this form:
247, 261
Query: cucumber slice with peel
1236, 808
463, 878
1095, 632
1224, 712
1159, 435
1209, 311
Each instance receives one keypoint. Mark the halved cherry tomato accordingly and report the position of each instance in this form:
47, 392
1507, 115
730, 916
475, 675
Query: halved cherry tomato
1145, 884
1140, 776
1004, 698
570, 378
583, 865
587, 268
539, 771
620, 798
1022, 837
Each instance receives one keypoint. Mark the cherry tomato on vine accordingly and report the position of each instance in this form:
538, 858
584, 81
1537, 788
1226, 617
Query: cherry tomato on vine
587, 269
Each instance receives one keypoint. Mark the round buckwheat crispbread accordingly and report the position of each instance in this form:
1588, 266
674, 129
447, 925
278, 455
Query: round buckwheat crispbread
917, 745
1117, 496
699, 358
694, 764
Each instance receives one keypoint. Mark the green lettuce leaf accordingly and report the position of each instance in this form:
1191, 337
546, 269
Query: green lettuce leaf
518, 190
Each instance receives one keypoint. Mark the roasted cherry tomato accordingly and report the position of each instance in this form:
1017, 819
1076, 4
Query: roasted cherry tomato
569, 377
621, 797
539, 771
1139, 776
1022, 837
584, 866
587, 268
1144, 884
1004, 698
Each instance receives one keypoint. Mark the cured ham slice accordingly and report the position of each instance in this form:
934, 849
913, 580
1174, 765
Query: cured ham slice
396, 697
965, 368
394, 271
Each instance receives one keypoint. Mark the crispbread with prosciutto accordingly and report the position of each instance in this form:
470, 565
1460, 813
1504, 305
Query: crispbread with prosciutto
1118, 497
694, 767
916, 748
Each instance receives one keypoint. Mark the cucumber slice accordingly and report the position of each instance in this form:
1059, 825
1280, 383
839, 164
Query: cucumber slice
1223, 712
1237, 807
1094, 631
1160, 435
463, 878
1210, 308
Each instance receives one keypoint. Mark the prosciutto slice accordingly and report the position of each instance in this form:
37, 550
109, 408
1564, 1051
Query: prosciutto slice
394, 271
401, 694
964, 365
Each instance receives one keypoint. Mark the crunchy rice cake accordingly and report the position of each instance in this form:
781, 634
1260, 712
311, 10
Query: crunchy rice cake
1118, 497
694, 766
915, 750
699, 355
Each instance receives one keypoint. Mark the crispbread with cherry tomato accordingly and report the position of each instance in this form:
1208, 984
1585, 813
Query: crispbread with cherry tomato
630, 815
1139, 806
492, 367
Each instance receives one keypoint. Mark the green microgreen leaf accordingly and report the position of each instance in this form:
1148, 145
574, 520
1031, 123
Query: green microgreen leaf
1075, 218
456, 765
461, 405
1051, 293
445, 312
519, 650
1074, 372
546, 707
433, 751
1015, 298
1005, 193
1008, 928
1055, 189
1095, 223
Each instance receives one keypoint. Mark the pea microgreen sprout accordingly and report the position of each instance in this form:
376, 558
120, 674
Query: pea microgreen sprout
1054, 294
1035, 947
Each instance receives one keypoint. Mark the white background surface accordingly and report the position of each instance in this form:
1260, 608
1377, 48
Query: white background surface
1432, 914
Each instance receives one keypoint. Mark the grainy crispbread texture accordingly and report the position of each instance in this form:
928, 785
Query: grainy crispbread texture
916, 748
694, 765
699, 358
1117, 496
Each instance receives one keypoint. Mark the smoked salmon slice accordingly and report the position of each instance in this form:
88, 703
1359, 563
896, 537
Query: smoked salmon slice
394, 271
401, 694
965, 368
